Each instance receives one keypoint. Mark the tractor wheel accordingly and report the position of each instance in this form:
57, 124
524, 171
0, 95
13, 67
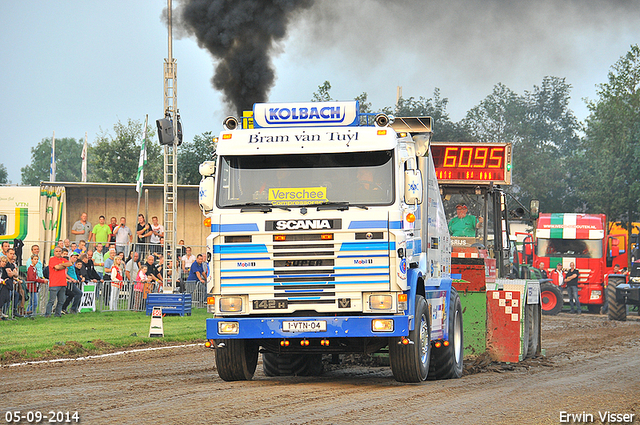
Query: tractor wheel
237, 360
551, 297
615, 310
447, 361
410, 363
292, 364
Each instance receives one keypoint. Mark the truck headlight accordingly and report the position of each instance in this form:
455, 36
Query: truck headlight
380, 302
230, 304
595, 295
228, 328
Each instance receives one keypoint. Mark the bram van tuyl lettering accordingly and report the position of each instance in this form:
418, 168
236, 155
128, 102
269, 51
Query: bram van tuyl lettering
600, 417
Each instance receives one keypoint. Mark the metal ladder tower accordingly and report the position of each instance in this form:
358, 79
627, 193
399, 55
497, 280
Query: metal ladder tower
171, 267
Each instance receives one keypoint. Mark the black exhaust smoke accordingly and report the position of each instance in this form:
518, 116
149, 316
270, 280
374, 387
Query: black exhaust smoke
241, 34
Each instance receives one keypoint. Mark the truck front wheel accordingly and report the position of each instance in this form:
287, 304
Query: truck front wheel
410, 362
551, 297
447, 360
237, 359
615, 309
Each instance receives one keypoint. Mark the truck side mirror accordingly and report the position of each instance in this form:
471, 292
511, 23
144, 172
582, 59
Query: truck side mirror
413, 187
534, 208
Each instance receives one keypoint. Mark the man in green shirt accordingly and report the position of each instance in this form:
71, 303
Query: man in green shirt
463, 225
100, 233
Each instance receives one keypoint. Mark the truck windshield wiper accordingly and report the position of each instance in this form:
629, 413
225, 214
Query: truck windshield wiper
259, 206
340, 206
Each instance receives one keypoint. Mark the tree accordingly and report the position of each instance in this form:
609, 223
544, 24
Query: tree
609, 164
436, 108
68, 162
542, 130
3, 174
192, 154
114, 159
322, 94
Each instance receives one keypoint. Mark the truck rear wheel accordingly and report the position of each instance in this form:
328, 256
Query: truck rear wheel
410, 363
551, 297
237, 360
615, 310
292, 364
447, 362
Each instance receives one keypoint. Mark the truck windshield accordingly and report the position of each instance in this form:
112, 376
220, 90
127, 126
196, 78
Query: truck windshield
580, 248
364, 178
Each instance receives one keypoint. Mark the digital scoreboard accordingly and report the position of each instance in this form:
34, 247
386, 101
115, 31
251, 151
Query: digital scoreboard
472, 163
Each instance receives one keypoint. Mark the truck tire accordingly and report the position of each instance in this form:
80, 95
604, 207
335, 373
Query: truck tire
615, 310
292, 364
551, 299
533, 326
237, 360
410, 363
447, 362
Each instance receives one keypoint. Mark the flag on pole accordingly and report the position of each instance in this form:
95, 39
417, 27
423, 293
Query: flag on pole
84, 159
143, 158
52, 168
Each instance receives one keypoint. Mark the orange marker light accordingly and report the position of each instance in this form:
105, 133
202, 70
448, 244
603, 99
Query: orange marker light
405, 341
438, 344
226, 136
382, 132
411, 218
402, 298
326, 236
280, 238
446, 343
207, 222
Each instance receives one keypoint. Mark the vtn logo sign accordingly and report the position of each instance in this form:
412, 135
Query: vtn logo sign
246, 264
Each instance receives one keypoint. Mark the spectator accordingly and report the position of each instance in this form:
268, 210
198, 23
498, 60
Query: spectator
101, 232
6, 287
116, 283
138, 289
82, 246
5, 248
112, 237
157, 236
197, 275
106, 276
89, 265
67, 244
187, 260
33, 284
180, 251
82, 228
543, 272
132, 267
143, 230
72, 247
98, 259
73, 291
57, 281
152, 272
18, 290
35, 250
571, 280
123, 236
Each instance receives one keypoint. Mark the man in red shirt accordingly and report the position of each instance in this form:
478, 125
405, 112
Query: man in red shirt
57, 281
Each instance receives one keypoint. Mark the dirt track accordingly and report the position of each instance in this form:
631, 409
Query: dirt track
591, 365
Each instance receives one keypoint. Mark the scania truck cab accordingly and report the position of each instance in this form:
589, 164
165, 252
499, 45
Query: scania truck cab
328, 237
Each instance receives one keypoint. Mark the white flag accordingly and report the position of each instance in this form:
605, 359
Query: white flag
84, 159
52, 168
143, 159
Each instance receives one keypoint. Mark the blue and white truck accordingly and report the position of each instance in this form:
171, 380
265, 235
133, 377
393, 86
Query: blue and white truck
328, 237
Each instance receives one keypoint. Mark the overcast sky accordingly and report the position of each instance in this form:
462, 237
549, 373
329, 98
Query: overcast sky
80, 66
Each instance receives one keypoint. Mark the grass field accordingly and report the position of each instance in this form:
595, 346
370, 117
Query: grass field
92, 333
